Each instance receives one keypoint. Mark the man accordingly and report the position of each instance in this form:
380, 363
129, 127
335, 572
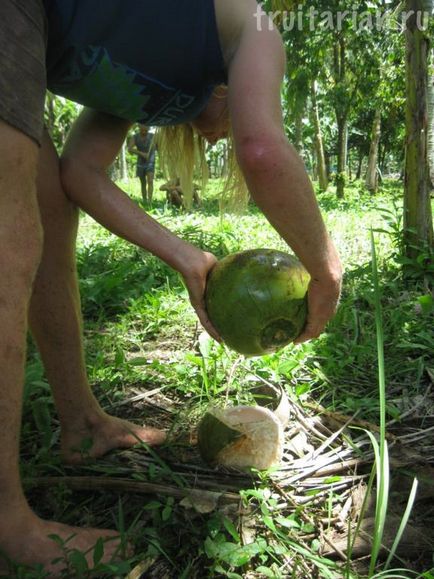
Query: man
142, 144
175, 195
158, 63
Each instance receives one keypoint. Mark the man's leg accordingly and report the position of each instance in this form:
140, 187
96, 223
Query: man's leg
56, 323
23, 536
150, 180
144, 188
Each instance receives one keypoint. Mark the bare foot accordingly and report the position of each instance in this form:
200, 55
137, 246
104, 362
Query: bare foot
94, 437
26, 541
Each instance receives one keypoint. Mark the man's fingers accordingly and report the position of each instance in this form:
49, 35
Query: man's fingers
209, 327
202, 314
310, 332
323, 300
315, 325
312, 329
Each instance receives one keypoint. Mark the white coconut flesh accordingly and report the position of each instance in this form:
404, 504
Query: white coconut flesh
242, 437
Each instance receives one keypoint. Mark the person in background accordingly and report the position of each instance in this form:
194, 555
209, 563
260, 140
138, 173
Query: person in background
142, 144
175, 195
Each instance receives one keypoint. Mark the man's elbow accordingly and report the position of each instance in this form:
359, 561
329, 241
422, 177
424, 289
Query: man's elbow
262, 154
74, 176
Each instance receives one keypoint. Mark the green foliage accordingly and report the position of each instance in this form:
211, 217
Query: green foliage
141, 331
59, 117
358, 66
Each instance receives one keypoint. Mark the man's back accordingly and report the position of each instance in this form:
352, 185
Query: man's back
134, 59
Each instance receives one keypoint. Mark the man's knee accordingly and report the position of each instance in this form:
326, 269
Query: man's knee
21, 230
18, 155
21, 255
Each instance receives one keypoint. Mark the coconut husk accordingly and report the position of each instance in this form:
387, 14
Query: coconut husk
241, 437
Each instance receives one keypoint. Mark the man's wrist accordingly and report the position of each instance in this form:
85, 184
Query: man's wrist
323, 265
177, 253
330, 273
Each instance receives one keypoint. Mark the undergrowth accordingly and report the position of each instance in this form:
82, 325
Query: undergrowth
141, 330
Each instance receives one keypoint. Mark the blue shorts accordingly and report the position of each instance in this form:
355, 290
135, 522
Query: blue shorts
143, 170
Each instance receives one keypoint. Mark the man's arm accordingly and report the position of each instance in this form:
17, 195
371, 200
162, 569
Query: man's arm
131, 146
274, 172
92, 146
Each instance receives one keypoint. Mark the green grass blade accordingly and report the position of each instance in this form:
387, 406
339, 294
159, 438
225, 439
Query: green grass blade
404, 522
381, 453
393, 574
382, 472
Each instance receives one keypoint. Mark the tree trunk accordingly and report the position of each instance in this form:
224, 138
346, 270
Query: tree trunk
298, 129
314, 164
372, 172
328, 164
359, 165
319, 146
431, 124
298, 133
382, 154
341, 111
123, 163
342, 156
418, 226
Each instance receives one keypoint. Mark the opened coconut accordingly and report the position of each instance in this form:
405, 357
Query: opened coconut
257, 301
241, 437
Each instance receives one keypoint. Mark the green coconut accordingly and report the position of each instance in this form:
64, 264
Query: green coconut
241, 437
257, 300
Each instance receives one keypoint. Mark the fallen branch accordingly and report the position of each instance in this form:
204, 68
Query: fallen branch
86, 483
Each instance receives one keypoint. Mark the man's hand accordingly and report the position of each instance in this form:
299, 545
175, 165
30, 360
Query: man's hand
195, 276
135, 151
323, 299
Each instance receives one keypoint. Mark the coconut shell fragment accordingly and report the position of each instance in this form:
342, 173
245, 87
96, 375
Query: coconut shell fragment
241, 437
275, 399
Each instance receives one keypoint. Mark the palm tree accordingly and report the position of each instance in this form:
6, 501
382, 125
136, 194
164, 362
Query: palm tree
418, 225
319, 145
372, 172
431, 122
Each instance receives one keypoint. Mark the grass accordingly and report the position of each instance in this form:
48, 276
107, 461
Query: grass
141, 334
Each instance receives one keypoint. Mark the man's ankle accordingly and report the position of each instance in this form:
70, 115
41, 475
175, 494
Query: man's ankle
77, 419
11, 496
15, 517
